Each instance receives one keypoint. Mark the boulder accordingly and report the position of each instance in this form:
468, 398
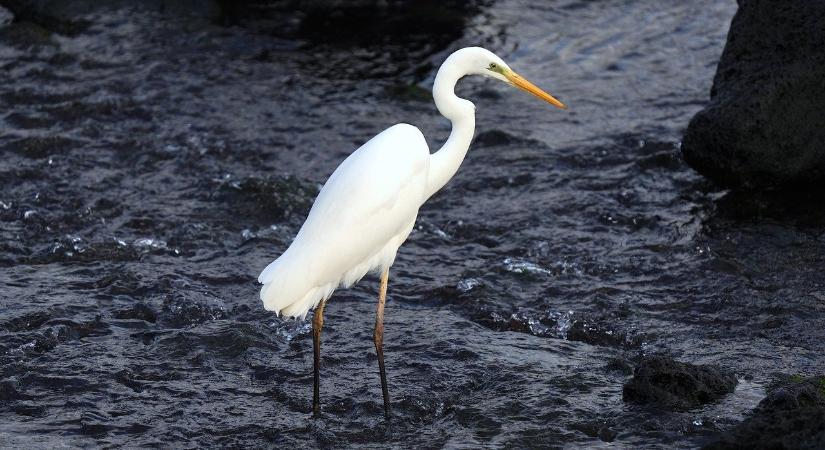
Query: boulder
675, 385
764, 127
791, 416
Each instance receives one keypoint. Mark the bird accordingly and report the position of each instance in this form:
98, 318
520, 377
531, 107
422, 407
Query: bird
368, 207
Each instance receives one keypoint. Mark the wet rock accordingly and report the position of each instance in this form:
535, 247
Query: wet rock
572, 327
675, 385
8, 390
491, 306
70, 249
477, 301
127, 378
597, 429
804, 211
763, 125
619, 365
27, 322
792, 416
607, 435
268, 199
121, 283
486, 306
29, 408
595, 333
65, 330
180, 310
139, 311
58, 331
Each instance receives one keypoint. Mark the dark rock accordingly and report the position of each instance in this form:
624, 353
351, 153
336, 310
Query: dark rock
57, 331
595, 332
29, 408
596, 429
487, 306
792, 416
139, 311
619, 365
763, 127
794, 393
8, 390
607, 435
67, 250
676, 385
268, 199
27, 322
66, 330
180, 310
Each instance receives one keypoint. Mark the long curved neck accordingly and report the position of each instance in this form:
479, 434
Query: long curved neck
445, 162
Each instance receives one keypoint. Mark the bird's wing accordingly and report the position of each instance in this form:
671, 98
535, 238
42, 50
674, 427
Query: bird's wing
371, 179
356, 223
368, 200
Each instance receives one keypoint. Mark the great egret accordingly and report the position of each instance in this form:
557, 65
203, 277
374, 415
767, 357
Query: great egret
368, 207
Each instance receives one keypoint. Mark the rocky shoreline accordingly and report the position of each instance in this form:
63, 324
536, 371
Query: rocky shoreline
763, 128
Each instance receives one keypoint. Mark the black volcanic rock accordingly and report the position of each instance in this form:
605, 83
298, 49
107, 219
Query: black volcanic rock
764, 127
675, 385
792, 416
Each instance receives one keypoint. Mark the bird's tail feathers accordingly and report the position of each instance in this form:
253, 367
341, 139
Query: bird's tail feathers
287, 290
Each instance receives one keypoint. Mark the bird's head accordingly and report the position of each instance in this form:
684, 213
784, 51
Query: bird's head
480, 61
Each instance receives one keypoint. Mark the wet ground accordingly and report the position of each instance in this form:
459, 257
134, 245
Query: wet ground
154, 162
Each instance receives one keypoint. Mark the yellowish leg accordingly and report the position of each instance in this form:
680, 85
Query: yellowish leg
317, 324
378, 337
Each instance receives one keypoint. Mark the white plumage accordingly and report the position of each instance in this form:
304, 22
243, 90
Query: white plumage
368, 206
343, 239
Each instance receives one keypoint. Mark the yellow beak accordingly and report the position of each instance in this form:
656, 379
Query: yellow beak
521, 83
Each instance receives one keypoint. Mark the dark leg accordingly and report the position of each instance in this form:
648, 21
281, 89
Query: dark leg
378, 337
317, 324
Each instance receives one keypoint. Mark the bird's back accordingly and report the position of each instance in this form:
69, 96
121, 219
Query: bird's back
363, 213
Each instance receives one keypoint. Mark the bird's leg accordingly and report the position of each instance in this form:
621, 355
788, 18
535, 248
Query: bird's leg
378, 337
317, 324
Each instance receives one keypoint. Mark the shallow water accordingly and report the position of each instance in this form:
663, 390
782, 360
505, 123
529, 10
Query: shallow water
153, 163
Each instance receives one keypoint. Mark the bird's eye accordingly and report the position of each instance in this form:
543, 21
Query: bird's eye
493, 65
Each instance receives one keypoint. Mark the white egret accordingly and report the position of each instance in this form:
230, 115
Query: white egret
369, 204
